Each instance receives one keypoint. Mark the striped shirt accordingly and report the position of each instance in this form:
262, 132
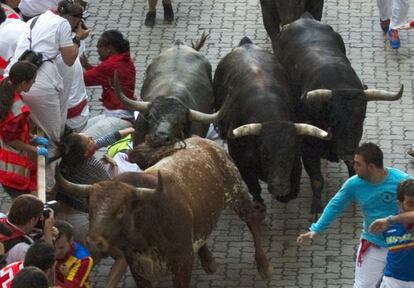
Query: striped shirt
90, 172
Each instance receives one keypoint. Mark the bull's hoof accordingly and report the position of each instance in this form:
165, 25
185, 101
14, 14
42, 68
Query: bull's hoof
265, 269
150, 19
258, 198
168, 12
209, 265
286, 198
207, 260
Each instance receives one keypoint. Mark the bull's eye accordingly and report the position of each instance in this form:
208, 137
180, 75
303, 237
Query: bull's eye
120, 213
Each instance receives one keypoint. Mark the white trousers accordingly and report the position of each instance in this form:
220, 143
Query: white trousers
395, 10
102, 125
389, 282
370, 273
48, 109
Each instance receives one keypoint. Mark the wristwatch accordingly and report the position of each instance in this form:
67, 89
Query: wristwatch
76, 41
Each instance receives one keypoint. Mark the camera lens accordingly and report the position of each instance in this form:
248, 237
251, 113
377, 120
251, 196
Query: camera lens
46, 213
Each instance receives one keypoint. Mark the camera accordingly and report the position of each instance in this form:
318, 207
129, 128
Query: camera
32, 57
54, 205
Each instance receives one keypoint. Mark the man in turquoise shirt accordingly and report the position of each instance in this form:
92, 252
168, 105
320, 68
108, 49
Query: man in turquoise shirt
374, 188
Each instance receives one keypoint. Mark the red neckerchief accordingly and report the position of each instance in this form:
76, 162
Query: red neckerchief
365, 244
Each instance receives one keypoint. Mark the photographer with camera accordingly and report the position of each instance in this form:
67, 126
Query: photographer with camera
25, 214
49, 35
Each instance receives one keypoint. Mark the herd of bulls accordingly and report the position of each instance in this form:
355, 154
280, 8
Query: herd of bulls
304, 102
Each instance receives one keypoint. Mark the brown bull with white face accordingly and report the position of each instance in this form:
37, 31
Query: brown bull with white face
162, 221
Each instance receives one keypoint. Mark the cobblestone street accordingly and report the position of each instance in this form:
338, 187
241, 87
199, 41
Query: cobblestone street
329, 262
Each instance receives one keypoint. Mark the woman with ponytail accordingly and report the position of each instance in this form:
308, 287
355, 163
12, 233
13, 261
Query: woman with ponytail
17, 154
113, 50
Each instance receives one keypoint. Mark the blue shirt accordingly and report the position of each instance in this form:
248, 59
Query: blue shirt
376, 200
400, 256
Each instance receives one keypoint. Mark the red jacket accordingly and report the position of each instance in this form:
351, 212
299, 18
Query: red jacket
16, 168
8, 273
103, 74
10, 13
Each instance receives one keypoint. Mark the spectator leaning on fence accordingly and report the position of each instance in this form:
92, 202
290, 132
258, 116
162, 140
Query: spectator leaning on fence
49, 35
17, 154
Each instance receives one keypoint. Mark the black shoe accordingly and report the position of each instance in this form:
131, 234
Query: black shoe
168, 12
150, 19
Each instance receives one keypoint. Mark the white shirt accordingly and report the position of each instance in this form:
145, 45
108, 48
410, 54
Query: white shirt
31, 8
75, 86
10, 32
49, 33
124, 165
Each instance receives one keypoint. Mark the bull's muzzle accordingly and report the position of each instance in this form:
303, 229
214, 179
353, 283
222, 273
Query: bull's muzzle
278, 187
163, 133
97, 243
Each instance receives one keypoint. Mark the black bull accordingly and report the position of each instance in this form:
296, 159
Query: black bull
277, 13
262, 103
177, 97
332, 96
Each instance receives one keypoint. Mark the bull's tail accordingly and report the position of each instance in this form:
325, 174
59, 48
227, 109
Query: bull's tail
245, 40
200, 42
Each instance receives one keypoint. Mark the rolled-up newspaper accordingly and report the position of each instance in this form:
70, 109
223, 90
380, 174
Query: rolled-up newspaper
41, 178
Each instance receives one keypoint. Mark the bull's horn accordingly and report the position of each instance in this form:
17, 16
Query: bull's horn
247, 130
145, 193
148, 193
375, 95
140, 106
215, 117
321, 95
78, 190
310, 130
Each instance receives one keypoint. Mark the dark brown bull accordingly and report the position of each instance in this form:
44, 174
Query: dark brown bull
163, 225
